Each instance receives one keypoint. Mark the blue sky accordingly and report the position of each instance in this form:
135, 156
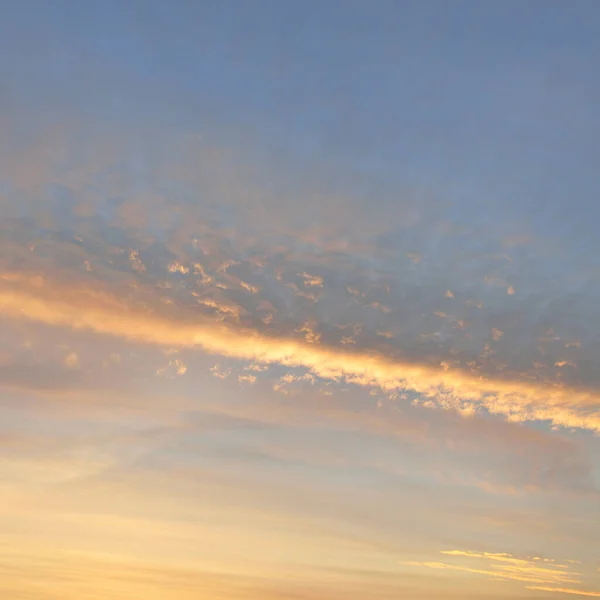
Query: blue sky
299, 299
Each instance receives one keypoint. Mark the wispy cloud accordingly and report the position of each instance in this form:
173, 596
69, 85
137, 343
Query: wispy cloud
542, 572
569, 591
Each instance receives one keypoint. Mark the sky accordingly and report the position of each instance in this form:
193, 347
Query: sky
299, 300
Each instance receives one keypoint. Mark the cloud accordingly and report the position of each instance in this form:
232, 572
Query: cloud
175, 368
502, 573
220, 374
242, 221
176, 267
312, 280
479, 452
95, 308
136, 261
251, 288
569, 591
528, 565
72, 360
528, 570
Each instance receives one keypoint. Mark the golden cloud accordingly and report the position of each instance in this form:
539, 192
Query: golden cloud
95, 309
540, 588
526, 570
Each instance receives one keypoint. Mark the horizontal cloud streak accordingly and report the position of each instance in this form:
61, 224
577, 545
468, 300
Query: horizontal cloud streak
46, 301
500, 573
515, 569
569, 591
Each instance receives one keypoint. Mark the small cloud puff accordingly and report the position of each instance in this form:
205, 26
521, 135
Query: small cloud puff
72, 361
312, 280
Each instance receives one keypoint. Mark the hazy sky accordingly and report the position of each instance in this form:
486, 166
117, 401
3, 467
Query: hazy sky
299, 300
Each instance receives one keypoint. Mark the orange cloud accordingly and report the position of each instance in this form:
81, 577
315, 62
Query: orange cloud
499, 557
531, 575
573, 592
517, 569
312, 280
94, 309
